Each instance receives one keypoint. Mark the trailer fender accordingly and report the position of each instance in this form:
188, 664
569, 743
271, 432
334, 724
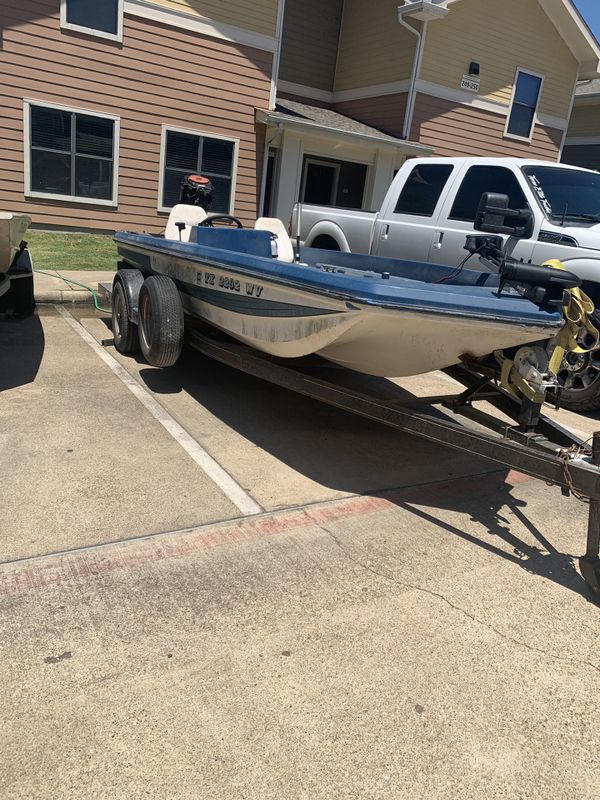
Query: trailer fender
327, 230
131, 280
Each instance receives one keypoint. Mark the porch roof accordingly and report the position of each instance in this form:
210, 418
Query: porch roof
324, 121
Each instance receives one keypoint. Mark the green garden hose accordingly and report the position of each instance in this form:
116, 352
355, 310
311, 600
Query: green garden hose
71, 282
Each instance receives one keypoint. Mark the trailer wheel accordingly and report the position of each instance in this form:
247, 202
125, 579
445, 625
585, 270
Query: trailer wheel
160, 321
125, 332
580, 376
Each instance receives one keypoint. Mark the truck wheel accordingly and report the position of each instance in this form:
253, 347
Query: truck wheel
125, 333
160, 321
580, 377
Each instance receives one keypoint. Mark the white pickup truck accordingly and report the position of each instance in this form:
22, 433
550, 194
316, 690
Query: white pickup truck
430, 208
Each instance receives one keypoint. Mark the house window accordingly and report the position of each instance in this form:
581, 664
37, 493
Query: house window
422, 189
486, 179
71, 154
102, 18
526, 96
185, 153
333, 183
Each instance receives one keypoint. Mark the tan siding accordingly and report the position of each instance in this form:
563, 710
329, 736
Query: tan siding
501, 36
585, 120
159, 76
309, 42
385, 113
301, 99
454, 130
259, 15
582, 156
374, 48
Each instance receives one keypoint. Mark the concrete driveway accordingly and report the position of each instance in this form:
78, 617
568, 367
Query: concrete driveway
213, 588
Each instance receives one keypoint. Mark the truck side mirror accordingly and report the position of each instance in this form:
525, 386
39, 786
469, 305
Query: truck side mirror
493, 213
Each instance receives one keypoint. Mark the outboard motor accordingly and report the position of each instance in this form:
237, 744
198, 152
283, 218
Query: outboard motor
196, 190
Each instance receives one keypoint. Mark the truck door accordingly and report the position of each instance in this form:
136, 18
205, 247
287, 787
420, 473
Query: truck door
404, 229
459, 209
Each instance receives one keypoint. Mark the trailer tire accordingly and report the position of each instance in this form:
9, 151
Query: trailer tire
160, 321
125, 332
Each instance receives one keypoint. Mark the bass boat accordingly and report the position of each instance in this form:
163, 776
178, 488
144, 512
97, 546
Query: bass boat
379, 316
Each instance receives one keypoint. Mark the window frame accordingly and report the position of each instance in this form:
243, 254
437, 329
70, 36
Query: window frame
204, 135
535, 121
67, 198
69, 26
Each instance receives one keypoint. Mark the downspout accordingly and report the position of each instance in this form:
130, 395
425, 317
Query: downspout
277, 54
416, 70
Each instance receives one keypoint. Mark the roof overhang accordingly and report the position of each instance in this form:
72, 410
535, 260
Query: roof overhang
272, 119
576, 34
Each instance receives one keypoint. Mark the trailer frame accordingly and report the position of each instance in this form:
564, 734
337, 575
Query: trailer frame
548, 452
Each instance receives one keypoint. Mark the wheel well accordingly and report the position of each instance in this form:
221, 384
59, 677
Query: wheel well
325, 242
592, 289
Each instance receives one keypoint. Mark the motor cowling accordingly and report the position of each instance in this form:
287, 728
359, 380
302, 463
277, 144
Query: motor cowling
196, 190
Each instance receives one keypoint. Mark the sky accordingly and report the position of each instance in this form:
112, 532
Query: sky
590, 10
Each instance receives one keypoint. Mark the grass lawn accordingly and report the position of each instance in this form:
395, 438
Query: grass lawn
72, 250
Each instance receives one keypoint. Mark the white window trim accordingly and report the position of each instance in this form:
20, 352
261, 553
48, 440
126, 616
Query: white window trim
536, 120
206, 135
69, 26
66, 198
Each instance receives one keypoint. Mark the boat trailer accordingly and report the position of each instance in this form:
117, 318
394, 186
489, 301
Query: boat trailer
542, 449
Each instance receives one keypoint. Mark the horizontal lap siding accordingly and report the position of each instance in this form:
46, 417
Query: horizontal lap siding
258, 15
501, 35
456, 130
158, 76
385, 112
373, 47
585, 120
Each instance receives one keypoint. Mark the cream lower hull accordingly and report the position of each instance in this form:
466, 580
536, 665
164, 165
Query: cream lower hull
376, 341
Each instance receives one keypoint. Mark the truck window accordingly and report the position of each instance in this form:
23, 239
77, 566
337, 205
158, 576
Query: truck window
485, 179
422, 189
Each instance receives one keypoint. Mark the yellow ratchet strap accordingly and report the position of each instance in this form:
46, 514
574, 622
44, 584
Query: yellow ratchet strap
577, 316
514, 383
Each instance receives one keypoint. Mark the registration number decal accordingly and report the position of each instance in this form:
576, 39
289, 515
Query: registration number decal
229, 284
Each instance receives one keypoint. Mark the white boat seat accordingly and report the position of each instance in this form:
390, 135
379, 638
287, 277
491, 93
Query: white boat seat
285, 250
190, 215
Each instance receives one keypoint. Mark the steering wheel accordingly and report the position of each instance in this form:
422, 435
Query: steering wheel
208, 222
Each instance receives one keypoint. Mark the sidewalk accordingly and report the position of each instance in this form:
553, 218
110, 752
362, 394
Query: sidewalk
53, 288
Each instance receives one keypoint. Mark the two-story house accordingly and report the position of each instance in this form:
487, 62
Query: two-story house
448, 77
106, 105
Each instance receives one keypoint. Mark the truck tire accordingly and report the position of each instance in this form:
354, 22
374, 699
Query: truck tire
580, 377
125, 332
160, 321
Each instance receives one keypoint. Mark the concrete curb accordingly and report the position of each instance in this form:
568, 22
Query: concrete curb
79, 296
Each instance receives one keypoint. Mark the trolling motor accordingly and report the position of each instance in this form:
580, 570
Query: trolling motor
196, 190
541, 285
